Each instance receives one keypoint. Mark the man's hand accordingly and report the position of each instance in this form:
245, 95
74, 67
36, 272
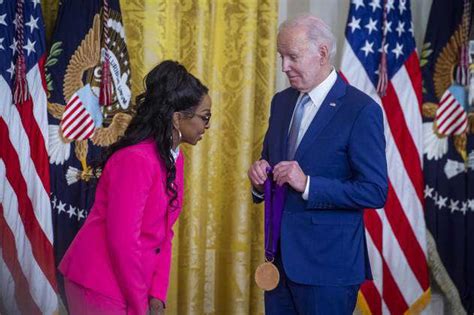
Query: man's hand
258, 174
290, 172
157, 307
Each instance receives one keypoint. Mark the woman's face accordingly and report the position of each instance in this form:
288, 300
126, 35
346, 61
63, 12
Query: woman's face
192, 128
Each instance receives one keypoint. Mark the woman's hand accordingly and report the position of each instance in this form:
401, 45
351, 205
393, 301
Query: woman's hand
157, 307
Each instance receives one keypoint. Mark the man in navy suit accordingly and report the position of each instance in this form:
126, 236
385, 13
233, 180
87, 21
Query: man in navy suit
325, 142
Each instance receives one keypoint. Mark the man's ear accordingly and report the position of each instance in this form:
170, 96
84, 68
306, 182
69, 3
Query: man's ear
324, 54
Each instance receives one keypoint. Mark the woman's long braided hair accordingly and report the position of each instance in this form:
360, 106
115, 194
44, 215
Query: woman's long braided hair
169, 88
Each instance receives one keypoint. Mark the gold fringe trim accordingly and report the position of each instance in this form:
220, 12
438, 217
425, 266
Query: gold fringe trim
442, 277
362, 304
416, 308
420, 304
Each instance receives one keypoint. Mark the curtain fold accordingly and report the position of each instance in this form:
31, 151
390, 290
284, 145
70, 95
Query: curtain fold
231, 46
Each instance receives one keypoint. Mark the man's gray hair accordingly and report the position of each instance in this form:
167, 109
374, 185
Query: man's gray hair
318, 32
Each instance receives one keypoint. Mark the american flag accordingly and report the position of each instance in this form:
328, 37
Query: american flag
27, 273
395, 234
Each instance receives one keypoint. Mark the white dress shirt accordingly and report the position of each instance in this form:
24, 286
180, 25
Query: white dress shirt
175, 153
317, 96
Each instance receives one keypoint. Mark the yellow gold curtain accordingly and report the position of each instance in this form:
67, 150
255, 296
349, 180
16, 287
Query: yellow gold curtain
231, 46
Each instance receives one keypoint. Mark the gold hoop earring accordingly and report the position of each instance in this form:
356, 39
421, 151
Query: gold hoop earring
179, 135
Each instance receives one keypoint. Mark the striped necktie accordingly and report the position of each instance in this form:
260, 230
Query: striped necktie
295, 126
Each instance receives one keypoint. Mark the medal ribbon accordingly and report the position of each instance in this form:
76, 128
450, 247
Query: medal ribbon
274, 201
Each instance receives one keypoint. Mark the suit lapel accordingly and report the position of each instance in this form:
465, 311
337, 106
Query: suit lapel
286, 119
328, 109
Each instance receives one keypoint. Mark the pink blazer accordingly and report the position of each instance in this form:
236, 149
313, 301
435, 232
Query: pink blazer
123, 250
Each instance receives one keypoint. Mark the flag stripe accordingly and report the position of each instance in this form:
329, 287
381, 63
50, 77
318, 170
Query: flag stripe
81, 127
454, 115
446, 112
42, 247
10, 256
39, 288
374, 224
403, 139
76, 113
412, 67
17, 137
374, 241
457, 120
406, 237
72, 116
405, 191
390, 290
397, 261
86, 131
391, 293
370, 292
37, 153
7, 305
76, 123
36, 84
445, 107
462, 128
71, 108
407, 97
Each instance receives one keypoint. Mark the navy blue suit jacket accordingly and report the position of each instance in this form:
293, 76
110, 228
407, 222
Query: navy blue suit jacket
343, 152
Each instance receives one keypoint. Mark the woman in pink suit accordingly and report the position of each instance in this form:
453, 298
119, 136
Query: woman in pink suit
119, 262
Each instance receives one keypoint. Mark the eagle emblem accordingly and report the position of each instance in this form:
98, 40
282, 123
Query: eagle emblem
81, 117
449, 118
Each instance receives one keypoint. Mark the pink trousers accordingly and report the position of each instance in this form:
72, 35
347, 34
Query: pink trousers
83, 301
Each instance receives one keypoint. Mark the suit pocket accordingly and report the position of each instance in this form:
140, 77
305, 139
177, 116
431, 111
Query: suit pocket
336, 217
328, 242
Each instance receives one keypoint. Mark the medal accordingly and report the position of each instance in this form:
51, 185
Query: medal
267, 276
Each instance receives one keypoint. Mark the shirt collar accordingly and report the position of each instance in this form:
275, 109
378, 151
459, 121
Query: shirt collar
175, 153
320, 91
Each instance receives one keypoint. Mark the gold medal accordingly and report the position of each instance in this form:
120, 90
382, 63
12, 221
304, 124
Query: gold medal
267, 276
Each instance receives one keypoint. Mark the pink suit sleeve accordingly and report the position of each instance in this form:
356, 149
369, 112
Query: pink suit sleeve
161, 277
130, 180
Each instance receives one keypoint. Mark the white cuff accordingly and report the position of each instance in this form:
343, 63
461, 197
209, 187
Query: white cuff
257, 194
306, 190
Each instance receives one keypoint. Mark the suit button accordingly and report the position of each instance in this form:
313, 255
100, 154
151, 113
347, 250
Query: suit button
157, 251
